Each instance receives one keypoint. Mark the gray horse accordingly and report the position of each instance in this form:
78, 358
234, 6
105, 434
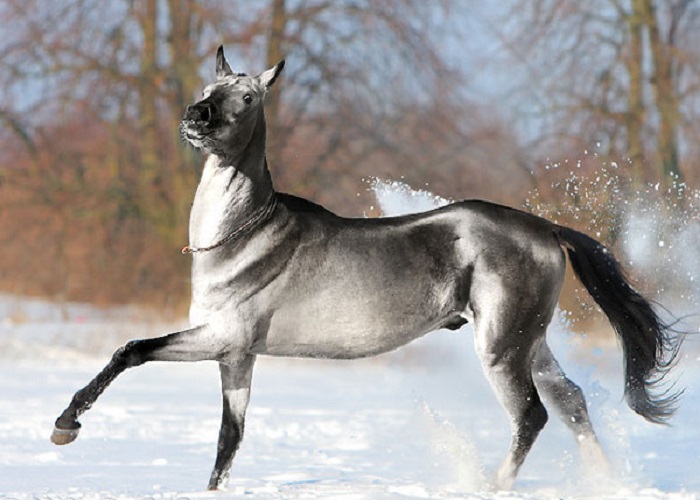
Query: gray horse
279, 275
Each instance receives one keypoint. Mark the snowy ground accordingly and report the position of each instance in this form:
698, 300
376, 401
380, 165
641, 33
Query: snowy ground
418, 423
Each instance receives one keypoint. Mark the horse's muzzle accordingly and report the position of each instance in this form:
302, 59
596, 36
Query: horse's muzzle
201, 113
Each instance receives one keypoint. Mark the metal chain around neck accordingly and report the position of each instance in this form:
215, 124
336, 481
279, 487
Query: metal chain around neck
262, 213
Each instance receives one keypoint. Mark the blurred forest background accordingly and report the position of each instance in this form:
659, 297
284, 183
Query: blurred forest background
463, 98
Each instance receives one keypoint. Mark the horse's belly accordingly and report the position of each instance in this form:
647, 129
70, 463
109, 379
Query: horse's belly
349, 329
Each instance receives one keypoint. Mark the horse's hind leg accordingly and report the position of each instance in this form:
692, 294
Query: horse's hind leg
506, 356
189, 345
235, 388
567, 399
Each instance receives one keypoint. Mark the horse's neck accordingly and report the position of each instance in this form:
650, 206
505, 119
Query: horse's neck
227, 196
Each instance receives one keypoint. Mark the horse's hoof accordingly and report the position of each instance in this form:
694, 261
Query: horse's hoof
64, 436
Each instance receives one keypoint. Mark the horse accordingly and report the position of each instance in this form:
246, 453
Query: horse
275, 274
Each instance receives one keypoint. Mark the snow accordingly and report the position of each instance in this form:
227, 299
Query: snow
417, 423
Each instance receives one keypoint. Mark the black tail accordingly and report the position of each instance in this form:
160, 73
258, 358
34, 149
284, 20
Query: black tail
649, 346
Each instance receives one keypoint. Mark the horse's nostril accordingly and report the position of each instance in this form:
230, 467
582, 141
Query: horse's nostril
198, 113
205, 114
190, 113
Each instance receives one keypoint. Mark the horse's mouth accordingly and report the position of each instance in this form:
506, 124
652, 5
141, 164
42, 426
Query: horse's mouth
194, 132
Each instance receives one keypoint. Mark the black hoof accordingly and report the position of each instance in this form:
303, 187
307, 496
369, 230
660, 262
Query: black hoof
64, 436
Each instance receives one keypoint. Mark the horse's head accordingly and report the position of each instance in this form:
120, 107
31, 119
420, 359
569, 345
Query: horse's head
224, 120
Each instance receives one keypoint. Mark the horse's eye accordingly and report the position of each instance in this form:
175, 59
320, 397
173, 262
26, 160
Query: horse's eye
247, 98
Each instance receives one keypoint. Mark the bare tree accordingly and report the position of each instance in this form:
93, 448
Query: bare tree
613, 72
93, 91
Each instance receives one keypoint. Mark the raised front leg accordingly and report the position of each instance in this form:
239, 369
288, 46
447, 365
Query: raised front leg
235, 387
190, 345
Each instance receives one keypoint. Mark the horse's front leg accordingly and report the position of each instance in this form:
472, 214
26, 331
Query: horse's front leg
235, 387
196, 344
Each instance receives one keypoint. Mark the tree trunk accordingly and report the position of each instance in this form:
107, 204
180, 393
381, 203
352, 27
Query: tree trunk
275, 53
150, 199
665, 95
635, 98
183, 61
185, 80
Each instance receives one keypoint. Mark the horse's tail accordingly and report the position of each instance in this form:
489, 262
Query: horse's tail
650, 347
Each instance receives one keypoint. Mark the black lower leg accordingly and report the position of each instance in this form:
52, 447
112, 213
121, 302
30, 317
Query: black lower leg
179, 346
235, 385
230, 437
67, 425
529, 426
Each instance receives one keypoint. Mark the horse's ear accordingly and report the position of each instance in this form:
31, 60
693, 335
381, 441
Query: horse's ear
222, 67
268, 77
